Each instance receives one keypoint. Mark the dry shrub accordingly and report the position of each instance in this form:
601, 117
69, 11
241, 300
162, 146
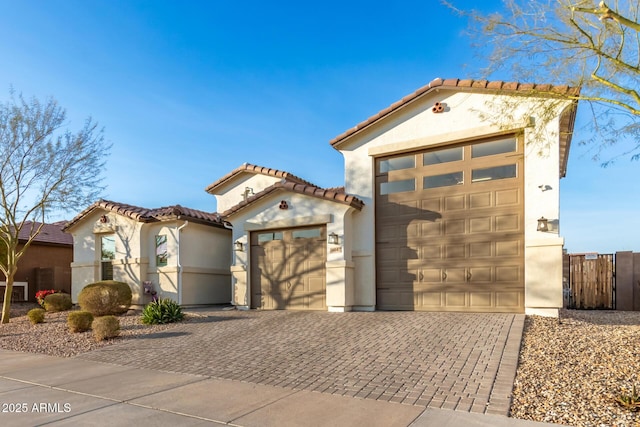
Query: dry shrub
107, 297
58, 302
36, 315
79, 321
105, 327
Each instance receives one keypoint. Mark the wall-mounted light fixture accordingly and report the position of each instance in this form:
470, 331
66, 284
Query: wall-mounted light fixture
333, 239
238, 246
543, 224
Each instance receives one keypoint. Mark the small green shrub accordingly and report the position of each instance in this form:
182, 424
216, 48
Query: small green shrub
631, 401
162, 311
79, 321
108, 297
105, 327
36, 315
58, 302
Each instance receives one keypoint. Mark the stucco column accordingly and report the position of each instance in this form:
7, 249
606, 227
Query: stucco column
543, 276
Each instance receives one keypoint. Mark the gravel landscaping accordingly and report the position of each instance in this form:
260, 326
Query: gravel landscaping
53, 337
570, 371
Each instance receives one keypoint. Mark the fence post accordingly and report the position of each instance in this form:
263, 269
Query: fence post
624, 280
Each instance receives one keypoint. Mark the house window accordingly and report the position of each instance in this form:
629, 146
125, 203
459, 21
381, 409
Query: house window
493, 147
496, 172
442, 156
397, 186
444, 180
161, 250
107, 255
308, 233
397, 163
267, 237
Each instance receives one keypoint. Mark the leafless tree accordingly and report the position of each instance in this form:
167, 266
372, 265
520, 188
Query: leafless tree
44, 168
581, 43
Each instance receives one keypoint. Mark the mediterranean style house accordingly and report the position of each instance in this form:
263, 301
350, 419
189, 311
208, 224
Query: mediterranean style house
450, 203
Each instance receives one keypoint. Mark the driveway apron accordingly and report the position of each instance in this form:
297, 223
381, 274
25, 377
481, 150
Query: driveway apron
461, 361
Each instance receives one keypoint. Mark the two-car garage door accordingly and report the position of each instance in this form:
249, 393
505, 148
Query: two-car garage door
449, 228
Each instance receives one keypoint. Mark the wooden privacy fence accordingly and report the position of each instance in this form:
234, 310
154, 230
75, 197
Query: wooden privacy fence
591, 281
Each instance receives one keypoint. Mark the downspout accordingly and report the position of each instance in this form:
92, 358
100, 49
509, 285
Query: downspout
180, 265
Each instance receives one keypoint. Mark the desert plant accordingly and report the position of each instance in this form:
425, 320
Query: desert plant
105, 327
58, 302
162, 311
79, 321
36, 315
108, 297
630, 401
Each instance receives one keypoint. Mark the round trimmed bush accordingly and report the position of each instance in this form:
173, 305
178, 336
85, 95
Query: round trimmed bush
79, 321
36, 315
105, 327
108, 297
58, 302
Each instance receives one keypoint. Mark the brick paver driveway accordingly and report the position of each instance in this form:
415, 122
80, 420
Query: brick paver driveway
445, 360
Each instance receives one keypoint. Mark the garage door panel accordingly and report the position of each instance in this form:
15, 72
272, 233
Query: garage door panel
464, 246
456, 299
289, 272
509, 222
480, 200
507, 197
508, 248
455, 251
456, 226
455, 203
480, 249
481, 299
480, 224
508, 274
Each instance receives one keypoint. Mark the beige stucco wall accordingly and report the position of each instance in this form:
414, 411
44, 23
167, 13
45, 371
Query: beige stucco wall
205, 256
414, 127
303, 210
128, 265
232, 193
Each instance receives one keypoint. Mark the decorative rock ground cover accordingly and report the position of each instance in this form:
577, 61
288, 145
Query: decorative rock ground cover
571, 370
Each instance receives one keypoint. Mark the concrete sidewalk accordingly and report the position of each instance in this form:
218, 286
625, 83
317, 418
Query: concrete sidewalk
46, 390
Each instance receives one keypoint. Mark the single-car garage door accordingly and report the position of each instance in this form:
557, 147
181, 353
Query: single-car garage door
449, 228
288, 269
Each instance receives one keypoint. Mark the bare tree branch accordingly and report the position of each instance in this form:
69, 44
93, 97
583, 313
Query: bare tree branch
43, 169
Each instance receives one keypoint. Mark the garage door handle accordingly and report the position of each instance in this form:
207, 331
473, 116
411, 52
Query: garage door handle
468, 276
421, 276
444, 275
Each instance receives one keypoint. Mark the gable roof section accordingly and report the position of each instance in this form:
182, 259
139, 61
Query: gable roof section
457, 84
254, 169
167, 213
333, 194
51, 234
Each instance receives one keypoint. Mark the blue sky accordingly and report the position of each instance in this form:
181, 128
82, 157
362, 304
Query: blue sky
189, 90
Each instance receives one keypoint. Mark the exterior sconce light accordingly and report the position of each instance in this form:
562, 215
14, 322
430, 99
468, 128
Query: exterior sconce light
333, 239
238, 246
543, 224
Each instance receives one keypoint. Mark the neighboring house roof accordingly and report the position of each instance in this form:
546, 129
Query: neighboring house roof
52, 234
333, 194
566, 123
254, 169
140, 214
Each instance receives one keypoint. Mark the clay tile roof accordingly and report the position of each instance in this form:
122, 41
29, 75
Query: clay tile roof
141, 214
249, 168
543, 89
49, 234
333, 194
